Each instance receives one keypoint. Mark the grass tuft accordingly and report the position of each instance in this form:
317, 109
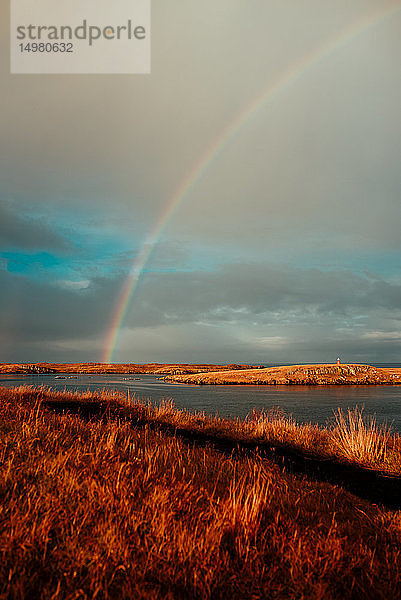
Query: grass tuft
359, 438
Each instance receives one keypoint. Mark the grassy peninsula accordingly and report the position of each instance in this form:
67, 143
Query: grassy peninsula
103, 496
317, 374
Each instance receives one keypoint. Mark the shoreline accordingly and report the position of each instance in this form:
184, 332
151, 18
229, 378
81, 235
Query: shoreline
230, 374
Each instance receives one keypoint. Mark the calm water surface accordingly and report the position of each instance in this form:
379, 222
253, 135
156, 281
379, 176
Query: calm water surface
305, 403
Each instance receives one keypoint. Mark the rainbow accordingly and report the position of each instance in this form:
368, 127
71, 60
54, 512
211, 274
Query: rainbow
287, 78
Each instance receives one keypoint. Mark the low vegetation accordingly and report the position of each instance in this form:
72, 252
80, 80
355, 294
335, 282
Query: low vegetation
113, 502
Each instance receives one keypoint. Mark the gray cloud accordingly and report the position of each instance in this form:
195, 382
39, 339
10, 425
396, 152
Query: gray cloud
44, 311
19, 229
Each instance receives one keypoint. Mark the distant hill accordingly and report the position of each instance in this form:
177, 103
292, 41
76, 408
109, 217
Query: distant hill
101, 368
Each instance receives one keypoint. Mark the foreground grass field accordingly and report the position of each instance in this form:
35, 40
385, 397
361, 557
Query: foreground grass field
110, 503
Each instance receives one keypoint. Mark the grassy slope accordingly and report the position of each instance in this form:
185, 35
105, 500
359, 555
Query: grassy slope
319, 374
106, 509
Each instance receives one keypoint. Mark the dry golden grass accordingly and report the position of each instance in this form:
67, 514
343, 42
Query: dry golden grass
106, 508
355, 438
360, 439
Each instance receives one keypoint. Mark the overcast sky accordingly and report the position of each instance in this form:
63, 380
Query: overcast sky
285, 249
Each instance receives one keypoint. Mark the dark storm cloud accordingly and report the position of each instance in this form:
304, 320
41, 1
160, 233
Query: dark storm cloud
239, 308
18, 229
234, 293
43, 311
244, 292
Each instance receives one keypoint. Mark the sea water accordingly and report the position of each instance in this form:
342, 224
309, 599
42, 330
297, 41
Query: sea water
316, 404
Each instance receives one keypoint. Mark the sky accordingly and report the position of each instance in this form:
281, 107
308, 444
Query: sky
241, 203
